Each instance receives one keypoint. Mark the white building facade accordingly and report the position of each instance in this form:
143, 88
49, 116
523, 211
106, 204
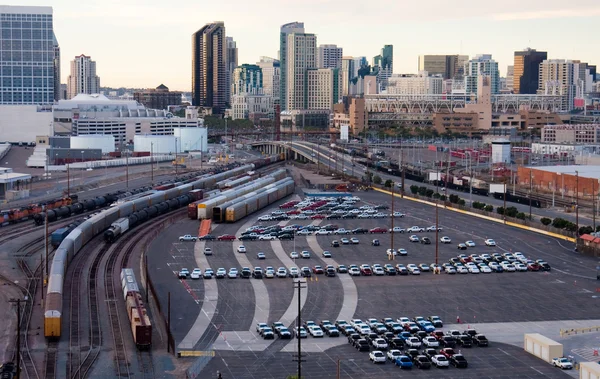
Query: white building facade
481, 65
271, 73
421, 84
83, 78
244, 105
301, 55
323, 88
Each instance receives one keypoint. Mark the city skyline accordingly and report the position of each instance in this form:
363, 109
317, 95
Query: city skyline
144, 51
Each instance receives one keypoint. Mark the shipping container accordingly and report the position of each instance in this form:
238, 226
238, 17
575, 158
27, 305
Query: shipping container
58, 236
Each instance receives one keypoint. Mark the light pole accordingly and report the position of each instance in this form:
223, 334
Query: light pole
577, 203
18, 358
299, 284
127, 168
82, 167
152, 161
176, 163
530, 190
392, 230
68, 175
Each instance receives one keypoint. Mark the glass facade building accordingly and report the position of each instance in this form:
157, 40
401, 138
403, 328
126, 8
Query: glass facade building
28, 50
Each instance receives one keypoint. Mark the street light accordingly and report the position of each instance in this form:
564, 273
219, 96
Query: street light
339, 361
82, 167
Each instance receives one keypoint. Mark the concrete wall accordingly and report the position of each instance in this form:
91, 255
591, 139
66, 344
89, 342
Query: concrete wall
547, 181
543, 347
589, 370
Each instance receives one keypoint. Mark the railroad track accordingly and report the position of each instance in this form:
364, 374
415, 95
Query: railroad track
29, 369
50, 359
112, 299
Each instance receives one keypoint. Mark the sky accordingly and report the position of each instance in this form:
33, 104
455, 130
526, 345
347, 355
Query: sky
143, 43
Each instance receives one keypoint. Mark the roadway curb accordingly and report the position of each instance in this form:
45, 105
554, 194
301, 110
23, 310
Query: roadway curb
529, 228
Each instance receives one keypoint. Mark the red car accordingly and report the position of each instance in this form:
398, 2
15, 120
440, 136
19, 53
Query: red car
318, 270
318, 217
226, 237
378, 230
447, 352
366, 270
438, 334
532, 266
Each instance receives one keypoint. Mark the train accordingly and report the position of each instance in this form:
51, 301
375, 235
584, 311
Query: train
206, 207
12, 216
243, 208
139, 322
60, 234
143, 208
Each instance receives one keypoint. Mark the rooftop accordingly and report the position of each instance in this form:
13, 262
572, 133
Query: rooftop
592, 172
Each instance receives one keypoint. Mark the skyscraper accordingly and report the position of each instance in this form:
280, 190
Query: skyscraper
232, 63
292, 27
247, 78
56, 64
481, 65
384, 64
83, 78
28, 58
449, 66
330, 56
301, 54
209, 67
566, 78
271, 72
526, 70
346, 74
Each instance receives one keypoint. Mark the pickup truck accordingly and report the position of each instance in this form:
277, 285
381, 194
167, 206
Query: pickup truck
187, 237
563, 363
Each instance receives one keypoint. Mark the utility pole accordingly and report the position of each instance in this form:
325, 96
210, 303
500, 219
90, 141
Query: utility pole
18, 302
437, 232
392, 230
46, 248
152, 161
177, 163
299, 285
504, 209
127, 169
68, 175
577, 203
169, 322
403, 176
593, 206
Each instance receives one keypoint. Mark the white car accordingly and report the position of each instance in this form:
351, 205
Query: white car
402, 252
300, 217
304, 232
322, 232
413, 342
378, 271
269, 274
365, 215
266, 238
380, 344
485, 268
305, 254
342, 231
397, 229
294, 272
265, 218
413, 269
450, 270
430, 342
415, 229
473, 269
281, 272
208, 273
398, 214
233, 273
440, 361
300, 333
315, 331
462, 270
445, 240
433, 228
470, 244
363, 329
377, 356
294, 255
354, 241
509, 267
490, 242
241, 249
196, 273
183, 273
393, 354
403, 320
520, 267
354, 271
187, 237
207, 251
413, 238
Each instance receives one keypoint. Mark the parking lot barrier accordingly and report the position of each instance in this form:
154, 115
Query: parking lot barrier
569, 332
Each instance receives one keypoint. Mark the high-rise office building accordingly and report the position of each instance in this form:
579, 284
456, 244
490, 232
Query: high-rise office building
271, 72
330, 56
232, 63
323, 89
526, 70
570, 79
301, 54
28, 55
448, 66
209, 67
83, 78
292, 27
346, 74
510, 74
481, 65
421, 84
247, 78
384, 65
56, 64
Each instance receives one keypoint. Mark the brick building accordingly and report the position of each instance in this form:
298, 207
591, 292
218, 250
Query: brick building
562, 180
158, 98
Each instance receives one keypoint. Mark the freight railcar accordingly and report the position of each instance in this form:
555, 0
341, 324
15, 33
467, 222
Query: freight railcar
140, 325
246, 207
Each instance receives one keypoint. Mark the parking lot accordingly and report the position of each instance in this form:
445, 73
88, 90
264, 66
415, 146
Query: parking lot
562, 294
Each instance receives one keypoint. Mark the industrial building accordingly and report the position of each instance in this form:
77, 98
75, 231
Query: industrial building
571, 134
569, 181
183, 140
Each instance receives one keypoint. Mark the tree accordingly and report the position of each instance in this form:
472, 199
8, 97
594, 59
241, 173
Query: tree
453, 198
546, 221
520, 215
512, 212
559, 223
429, 192
478, 205
437, 195
585, 230
388, 183
422, 191
414, 189
377, 179
500, 210
489, 208
461, 202
443, 198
